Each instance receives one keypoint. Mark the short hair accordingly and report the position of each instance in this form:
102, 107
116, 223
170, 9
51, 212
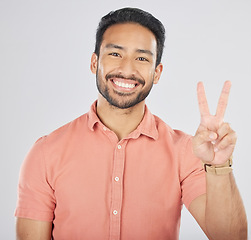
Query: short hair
132, 15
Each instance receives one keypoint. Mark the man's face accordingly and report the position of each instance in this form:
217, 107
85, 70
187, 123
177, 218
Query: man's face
125, 69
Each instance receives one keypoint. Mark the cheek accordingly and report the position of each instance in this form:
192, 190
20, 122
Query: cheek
100, 70
104, 68
148, 74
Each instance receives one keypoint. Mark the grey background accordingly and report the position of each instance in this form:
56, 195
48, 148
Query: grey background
45, 50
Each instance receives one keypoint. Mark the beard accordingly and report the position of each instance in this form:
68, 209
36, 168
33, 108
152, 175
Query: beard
122, 100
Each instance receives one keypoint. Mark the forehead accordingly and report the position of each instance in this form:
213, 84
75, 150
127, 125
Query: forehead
130, 35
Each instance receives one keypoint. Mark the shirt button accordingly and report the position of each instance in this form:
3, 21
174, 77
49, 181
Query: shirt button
119, 147
104, 128
115, 212
116, 179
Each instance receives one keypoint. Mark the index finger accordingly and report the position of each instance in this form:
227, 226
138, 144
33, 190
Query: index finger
202, 100
223, 100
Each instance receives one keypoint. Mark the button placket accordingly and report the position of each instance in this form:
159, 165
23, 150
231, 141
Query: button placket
117, 190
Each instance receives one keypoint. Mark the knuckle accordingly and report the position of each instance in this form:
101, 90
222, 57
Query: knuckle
227, 126
229, 139
234, 136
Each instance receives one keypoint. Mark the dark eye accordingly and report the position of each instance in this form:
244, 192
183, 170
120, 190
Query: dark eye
114, 54
142, 59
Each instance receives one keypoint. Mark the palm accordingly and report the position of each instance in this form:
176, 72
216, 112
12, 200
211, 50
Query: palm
207, 150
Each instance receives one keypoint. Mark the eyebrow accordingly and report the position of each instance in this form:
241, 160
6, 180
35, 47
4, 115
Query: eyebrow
144, 51
111, 45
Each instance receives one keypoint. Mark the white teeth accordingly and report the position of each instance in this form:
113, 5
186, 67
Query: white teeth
124, 85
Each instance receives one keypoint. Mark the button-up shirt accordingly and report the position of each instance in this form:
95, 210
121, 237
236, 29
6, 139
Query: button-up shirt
93, 186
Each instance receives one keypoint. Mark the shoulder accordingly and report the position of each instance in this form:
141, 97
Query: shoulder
49, 148
174, 135
69, 129
58, 139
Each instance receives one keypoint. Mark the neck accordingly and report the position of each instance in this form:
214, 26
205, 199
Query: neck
121, 121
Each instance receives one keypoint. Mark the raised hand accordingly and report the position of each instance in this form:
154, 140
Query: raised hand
214, 140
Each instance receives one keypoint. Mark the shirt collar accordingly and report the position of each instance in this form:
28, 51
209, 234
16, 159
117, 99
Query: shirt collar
147, 126
92, 116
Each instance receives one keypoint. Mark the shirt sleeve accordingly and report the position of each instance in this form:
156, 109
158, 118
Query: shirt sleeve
192, 174
35, 195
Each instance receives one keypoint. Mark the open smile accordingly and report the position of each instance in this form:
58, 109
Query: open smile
122, 84
125, 85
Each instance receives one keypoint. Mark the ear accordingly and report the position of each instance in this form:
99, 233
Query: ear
157, 74
94, 63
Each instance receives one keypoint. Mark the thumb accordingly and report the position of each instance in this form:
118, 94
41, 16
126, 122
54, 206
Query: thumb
204, 136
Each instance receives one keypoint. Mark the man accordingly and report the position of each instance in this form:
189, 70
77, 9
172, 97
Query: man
119, 172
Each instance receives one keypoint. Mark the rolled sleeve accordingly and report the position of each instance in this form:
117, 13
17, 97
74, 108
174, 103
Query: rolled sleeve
193, 179
35, 195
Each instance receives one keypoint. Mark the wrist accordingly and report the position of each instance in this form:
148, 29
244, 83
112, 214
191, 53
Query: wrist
221, 169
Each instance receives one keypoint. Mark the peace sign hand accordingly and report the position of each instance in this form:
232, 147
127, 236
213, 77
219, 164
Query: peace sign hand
214, 140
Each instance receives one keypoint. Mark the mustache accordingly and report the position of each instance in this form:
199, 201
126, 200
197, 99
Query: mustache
139, 80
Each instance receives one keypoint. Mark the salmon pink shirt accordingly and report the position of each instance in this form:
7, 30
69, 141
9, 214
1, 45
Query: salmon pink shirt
94, 187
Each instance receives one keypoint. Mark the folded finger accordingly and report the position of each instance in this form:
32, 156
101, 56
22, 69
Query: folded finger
227, 141
223, 130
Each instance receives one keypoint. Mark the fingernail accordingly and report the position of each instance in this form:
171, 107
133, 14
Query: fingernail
212, 135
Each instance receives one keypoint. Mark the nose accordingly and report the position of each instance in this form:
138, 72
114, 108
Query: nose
127, 67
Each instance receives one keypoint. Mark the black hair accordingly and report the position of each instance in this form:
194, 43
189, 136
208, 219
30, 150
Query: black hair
132, 15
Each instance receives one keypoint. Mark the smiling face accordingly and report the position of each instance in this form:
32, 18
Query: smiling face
125, 69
